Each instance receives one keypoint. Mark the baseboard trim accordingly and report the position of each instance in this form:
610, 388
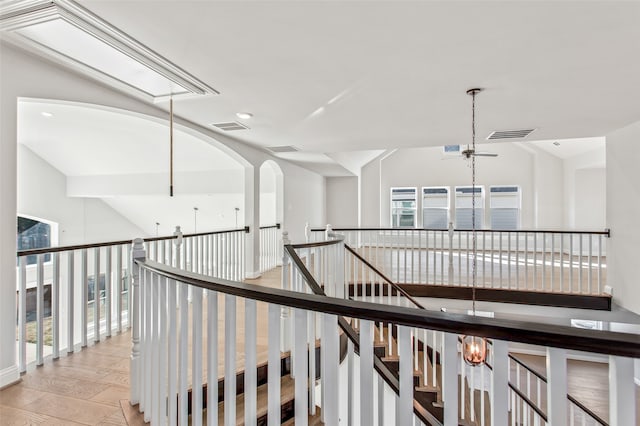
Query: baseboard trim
9, 376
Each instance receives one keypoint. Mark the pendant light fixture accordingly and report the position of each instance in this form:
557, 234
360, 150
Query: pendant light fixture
474, 349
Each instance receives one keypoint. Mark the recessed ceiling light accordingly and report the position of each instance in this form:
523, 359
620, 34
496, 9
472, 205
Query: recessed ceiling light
46, 114
244, 115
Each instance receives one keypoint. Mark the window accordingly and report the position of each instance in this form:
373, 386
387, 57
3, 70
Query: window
403, 207
464, 202
504, 202
435, 208
451, 149
32, 234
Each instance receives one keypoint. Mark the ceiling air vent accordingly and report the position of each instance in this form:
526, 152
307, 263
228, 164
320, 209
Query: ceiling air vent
286, 148
227, 127
510, 134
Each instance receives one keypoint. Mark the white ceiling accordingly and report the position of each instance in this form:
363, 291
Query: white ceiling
83, 141
568, 148
331, 77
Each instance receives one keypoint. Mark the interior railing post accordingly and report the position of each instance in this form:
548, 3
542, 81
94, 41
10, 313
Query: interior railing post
450, 270
622, 389
273, 372
449, 379
285, 322
557, 386
22, 315
137, 253
500, 383
40, 311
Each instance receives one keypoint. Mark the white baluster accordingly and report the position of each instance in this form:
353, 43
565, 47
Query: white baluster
250, 374
40, 310
212, 358
330, 374
55, 306
366, 372
172, 356
22, 315
557, 386
70, 301
118, 291
449, 378
622, 392
183, 355
311, 333
137, 253
300, 367
273, 369
500, 383
107, 291
96, 294
230, 360
196, 354
155, 346
351, 394
404, 410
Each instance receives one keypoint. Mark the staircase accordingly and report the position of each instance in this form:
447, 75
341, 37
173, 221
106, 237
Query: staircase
287, 400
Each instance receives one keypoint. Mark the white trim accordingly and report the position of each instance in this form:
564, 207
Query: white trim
9, 376
25, 13
573, 355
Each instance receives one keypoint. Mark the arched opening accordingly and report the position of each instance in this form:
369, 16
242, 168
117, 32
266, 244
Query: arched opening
271, 208
103, 173
271, 190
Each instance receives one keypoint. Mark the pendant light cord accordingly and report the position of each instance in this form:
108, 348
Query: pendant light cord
474, 272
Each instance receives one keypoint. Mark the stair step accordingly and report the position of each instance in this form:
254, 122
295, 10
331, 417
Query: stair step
313, 420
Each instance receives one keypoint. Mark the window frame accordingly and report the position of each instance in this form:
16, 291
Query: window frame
447, 208
479, 205
519, 195
414, 208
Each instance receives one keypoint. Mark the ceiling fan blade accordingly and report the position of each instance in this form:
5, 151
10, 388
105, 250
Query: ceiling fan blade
484, 154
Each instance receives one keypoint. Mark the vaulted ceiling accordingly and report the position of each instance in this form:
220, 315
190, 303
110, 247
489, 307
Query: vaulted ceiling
335, 77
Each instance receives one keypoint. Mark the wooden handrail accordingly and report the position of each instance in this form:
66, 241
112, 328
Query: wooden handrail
384, 277
277, 226
596, 341
606, 232
528, 402
45, 250
569, 396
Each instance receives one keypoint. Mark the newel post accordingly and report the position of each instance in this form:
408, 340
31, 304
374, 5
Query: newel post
285, 322
178, 243
138, 252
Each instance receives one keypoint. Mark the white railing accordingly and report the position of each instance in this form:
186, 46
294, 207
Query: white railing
70, 297
177, 349
270, 247
527, 390
552, 261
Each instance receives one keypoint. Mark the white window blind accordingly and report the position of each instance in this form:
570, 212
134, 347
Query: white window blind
464, 203
435, 208
504, 202
403, 207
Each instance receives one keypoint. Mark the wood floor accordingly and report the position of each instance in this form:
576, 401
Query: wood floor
88, 387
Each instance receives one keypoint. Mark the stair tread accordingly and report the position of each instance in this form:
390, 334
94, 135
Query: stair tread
286, 394
313, 420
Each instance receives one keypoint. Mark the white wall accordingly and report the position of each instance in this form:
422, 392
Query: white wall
549, 190
304, 200
342, 201
623, 211
594, 159
42, 194
420, 167
590, 199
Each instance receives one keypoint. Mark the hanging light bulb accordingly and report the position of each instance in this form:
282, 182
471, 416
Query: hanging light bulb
474, 349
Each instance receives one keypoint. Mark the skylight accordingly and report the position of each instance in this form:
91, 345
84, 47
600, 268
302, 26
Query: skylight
77, 37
